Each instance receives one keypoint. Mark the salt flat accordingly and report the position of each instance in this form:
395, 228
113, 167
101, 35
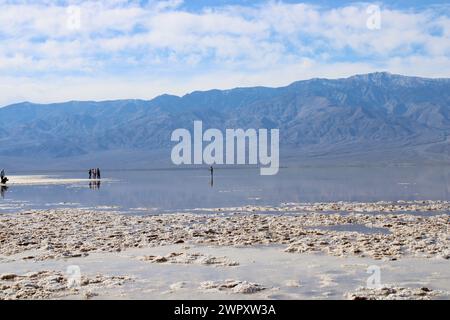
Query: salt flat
44, 180
281, 275
225, 255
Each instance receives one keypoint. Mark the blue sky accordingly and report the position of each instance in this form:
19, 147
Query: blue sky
96, 50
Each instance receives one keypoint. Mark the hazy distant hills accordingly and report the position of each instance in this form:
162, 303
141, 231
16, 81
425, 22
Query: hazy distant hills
378, 112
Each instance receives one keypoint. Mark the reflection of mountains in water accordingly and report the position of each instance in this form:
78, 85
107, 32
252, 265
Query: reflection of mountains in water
378, 111
180, 190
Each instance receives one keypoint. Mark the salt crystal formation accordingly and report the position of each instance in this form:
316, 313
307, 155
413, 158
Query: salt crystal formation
303, 228
53, 284
234, 286
190, 258
393, 293
66, 233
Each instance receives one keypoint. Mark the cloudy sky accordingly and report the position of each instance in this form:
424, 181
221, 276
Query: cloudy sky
96, 50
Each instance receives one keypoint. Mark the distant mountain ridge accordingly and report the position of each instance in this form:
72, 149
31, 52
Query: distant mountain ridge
374, 111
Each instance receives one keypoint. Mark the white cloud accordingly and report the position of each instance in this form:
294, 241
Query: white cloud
142, 51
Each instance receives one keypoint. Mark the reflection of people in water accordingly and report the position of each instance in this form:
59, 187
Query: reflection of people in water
94, 185
211, 169
3, 190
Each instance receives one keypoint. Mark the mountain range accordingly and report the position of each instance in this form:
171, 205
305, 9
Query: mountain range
372, 117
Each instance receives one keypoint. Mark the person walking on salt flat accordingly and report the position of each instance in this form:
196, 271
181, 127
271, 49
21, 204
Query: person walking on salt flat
3, 178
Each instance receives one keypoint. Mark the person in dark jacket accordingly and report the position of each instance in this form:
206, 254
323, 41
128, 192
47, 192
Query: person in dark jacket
3, 178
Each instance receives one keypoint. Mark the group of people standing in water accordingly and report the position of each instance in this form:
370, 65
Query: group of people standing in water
94, 173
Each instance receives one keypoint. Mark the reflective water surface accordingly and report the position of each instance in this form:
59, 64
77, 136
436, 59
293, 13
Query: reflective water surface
148, 191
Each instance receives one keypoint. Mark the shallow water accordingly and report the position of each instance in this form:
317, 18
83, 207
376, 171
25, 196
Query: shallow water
285, 275
353, 228
154, 191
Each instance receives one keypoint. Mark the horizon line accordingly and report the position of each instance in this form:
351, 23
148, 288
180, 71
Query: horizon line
223, 90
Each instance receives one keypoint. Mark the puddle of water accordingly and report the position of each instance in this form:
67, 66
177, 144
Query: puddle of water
354, 228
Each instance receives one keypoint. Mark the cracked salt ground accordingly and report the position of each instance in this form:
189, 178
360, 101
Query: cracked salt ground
275, 274
47, 284
271, 251
188, 258
393, 293
417, 206
66, 232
